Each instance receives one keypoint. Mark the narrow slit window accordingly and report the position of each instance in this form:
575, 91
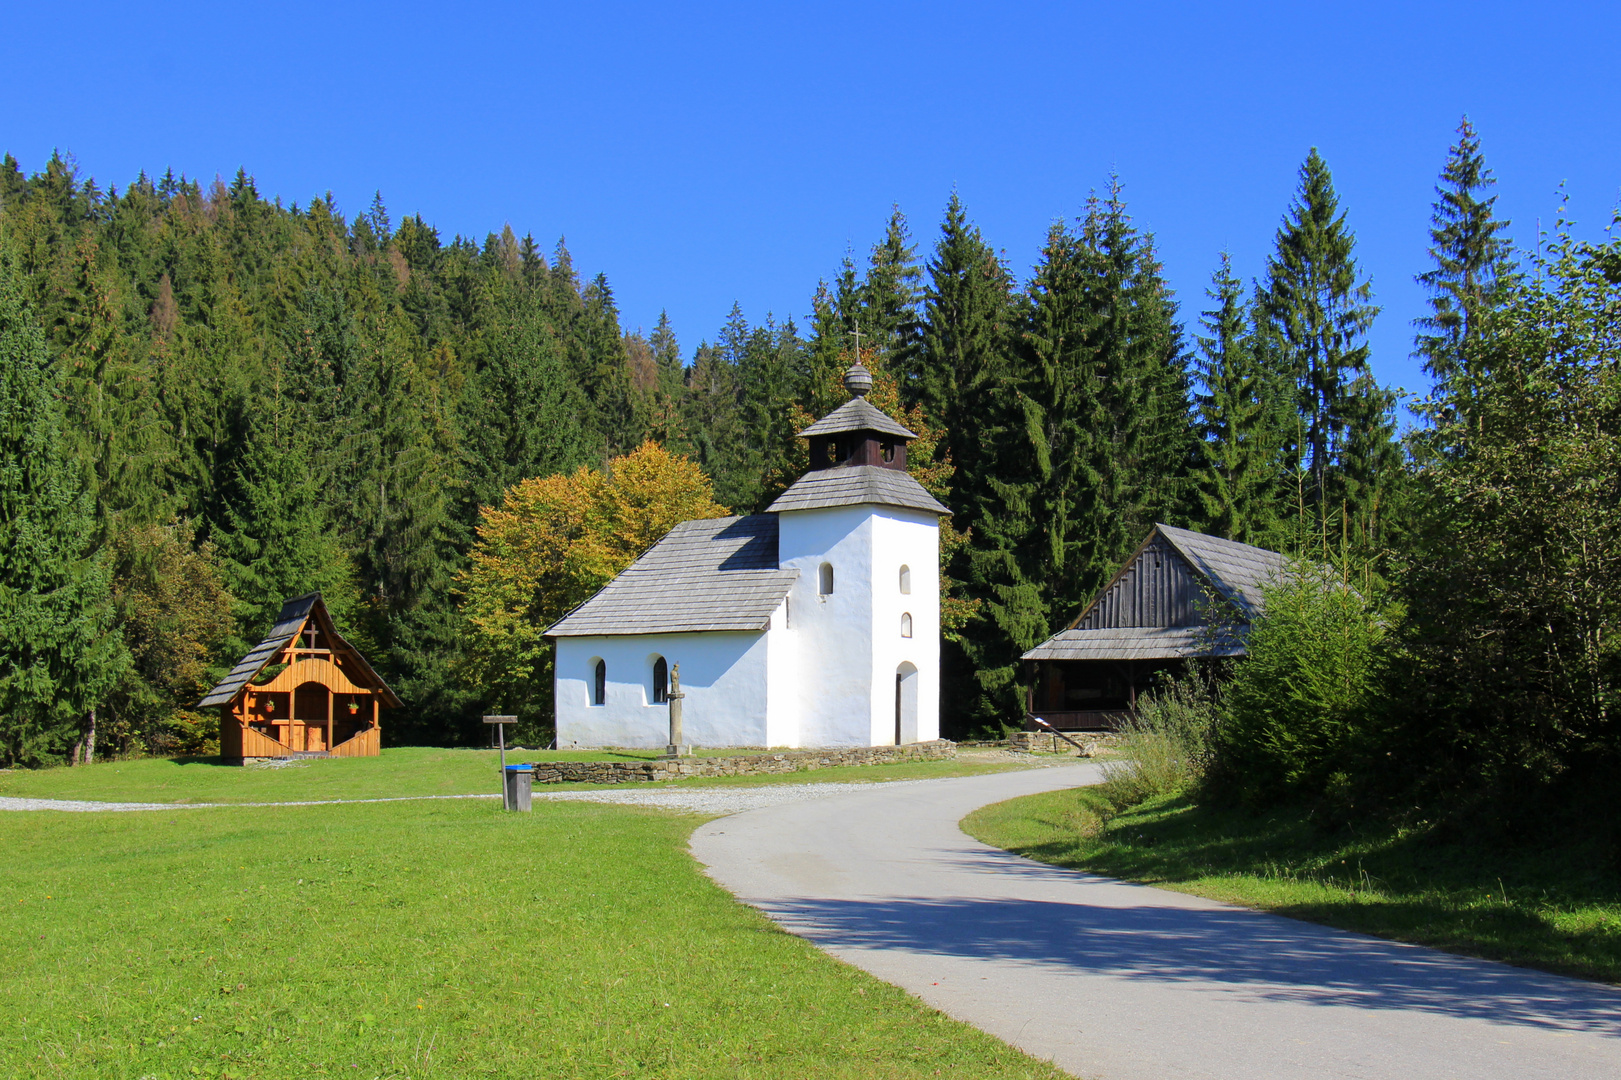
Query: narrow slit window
906, 624
661, 681
599, 688
824, 580
906, 581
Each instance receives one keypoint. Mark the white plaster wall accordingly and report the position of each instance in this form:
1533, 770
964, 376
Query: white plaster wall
834, 632
912, 539
782, 688
724, 675
850, 644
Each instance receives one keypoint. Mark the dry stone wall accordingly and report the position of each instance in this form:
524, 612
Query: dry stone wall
1045, 742
786, 761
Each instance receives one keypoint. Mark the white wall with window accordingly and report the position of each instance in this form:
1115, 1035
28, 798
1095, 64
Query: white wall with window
739, 689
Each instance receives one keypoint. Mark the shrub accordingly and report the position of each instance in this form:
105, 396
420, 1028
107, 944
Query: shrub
1296, 712
1167, 742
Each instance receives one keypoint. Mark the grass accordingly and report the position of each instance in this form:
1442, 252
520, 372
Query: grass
398, 772
423, 940
1547, 907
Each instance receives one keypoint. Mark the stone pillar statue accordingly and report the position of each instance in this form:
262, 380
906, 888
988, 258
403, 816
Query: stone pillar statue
677, 748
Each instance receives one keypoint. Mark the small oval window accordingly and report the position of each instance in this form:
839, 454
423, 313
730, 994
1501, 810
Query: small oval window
906, 581
906, 624
824, 580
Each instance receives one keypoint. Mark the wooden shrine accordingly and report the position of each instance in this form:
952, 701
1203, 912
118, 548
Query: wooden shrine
301, 692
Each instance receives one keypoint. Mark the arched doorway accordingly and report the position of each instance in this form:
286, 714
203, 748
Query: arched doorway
905, 704
311, 730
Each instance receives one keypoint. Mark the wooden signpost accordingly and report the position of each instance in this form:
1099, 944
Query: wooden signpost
509, 798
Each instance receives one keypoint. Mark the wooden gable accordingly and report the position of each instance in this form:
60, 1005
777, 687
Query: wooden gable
325, 700
1156, 587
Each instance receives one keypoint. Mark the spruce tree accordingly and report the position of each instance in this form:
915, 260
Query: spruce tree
1241, 415
60, 655
523, 413
1143, 441
889, 296
965, 336
710, 416
1320, 313
1473, 262
279, 539
825, 355
1037, 412
605, 370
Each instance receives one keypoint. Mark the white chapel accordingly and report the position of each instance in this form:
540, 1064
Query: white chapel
814, 624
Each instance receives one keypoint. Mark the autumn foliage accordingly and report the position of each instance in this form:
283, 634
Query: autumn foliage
552, 543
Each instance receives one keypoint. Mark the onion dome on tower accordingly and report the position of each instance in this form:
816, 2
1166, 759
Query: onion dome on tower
857, 455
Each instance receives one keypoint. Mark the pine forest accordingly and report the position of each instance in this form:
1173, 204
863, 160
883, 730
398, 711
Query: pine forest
211, 402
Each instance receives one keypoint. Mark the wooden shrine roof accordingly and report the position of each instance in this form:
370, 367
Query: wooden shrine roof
295, 613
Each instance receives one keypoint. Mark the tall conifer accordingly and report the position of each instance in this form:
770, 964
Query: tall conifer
59, 653
1473, 263
1241, 415
965, 336
1321, 313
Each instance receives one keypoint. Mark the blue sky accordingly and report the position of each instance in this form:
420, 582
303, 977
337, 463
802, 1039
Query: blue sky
704, 154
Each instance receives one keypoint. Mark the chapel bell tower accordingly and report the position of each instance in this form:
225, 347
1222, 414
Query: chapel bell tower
865, 538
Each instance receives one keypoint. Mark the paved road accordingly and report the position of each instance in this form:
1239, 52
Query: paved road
1123, 981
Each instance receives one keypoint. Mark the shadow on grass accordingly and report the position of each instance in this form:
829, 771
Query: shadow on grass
1544, 906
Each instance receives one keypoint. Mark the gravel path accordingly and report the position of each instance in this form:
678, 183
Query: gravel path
722, 800
74, 806
690, 800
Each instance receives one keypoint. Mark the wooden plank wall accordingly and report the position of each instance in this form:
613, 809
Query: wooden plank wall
255, 744
363, 744
1156, 589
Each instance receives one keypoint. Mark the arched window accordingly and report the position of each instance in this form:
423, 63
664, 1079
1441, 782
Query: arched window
906, 581
599, 690
906, 624
824, 582
661, 681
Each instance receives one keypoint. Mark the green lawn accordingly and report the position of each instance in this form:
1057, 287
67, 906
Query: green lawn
423, 940
1550, 907
398, 772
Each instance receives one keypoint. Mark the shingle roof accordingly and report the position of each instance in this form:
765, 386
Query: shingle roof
854, 485
857, 414
1237, 571
715, 574
292, 616
1134, 643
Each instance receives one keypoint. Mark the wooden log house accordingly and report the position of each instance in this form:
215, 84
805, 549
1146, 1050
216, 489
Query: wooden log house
301, 692
1180, 595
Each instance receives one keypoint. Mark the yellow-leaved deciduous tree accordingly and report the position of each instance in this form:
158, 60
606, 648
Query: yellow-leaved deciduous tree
551, 544
921, 464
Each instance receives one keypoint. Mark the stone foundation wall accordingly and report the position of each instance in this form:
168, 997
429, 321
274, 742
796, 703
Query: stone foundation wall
1045, 742
786, 761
